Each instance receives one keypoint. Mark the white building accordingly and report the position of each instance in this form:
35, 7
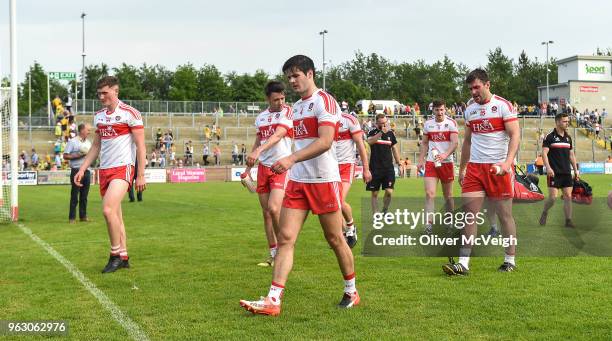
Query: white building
584, 82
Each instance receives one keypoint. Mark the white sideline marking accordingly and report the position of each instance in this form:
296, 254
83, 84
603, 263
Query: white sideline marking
130, 326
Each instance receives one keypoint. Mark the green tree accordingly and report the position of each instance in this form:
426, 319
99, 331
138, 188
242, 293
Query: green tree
39, 91
92, 74
184, 86
155, 81
500, 70
129, 82
211, 84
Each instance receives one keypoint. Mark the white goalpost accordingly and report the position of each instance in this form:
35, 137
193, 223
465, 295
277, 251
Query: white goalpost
8, 133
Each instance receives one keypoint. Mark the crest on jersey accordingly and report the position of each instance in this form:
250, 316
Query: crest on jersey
117, 118
310, 106
494, 108
277, 116
446, 125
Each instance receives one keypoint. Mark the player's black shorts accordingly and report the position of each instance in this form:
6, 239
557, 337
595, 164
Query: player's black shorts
560, 181
384, 179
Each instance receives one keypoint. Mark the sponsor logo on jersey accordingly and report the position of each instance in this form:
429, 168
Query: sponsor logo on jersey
109, 131
439, 136
483, 126
266, 133
300, 130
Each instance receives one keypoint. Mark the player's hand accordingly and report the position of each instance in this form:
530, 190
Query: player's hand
577, 174
367, 176
77, 178
550, 172
252, 158
141, 183
441, 157
420, 164
460, 178
504, 167
401, 170
283, 165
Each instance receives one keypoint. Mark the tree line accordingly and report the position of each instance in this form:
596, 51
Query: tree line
364, 77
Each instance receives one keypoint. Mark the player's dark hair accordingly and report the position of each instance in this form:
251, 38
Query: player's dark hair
560, 116
438, 103
477, 74
109, 81
299, 62
274, 86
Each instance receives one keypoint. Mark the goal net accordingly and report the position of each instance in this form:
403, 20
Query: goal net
6, 211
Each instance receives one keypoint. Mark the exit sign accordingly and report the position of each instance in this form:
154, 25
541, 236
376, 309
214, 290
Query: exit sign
62, 75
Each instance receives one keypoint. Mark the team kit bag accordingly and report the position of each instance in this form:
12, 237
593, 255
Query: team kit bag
526, 187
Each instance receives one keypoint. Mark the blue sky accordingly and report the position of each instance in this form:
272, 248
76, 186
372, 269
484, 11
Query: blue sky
244, 35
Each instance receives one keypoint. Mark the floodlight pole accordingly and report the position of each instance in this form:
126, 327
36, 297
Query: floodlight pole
322, 33
83, 70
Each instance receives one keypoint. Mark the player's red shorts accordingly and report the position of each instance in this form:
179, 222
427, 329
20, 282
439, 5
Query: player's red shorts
267, 180
320, 198
478, 178
347, 172
446, 172
109, 174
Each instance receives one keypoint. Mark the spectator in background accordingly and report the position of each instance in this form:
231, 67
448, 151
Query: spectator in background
35, 160
539, 163
609, 160
75, 153
58, 130
243, 152
153, 159
205, 154
217, 154
158, 138
234, 154
69, 104
57, 161
133, 184
207, 133
218, 133
172, 152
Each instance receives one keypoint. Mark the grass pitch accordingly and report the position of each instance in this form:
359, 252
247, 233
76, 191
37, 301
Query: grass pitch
194, 250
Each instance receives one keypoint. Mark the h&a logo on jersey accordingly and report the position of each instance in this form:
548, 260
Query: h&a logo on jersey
437, 137
109, 131
300, 130
482, 126
264, 134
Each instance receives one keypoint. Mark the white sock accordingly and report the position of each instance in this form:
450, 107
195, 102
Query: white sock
509, 259
276, 292
349, 284
464, 257
273, 249
494, 226
350, 228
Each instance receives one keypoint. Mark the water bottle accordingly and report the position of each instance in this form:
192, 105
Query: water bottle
434, 154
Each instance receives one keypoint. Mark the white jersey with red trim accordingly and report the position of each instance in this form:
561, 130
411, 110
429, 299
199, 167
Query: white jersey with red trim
487, 124
345, 146
308, 114
115, 131
266, 124
439, 136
